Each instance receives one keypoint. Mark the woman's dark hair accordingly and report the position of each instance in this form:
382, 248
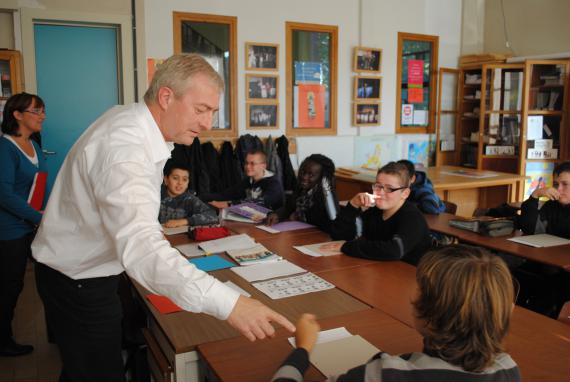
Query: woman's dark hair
562, 167
18, 102
327, 167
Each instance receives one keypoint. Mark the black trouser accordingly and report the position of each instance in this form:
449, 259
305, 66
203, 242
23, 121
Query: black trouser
85, 318
13, 259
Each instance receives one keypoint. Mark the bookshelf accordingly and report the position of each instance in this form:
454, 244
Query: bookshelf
545, 120
10, 75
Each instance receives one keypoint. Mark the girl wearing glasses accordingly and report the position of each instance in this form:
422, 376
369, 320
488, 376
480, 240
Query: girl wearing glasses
392, 227
21, 160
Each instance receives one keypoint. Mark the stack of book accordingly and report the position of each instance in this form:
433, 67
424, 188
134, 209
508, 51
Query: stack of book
254, 255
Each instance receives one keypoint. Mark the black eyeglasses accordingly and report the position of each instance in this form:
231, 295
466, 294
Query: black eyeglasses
36, 111
377, 187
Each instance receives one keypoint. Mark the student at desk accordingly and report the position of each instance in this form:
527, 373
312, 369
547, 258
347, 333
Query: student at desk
260, 186
554, 216
315, 200
178, 205
393, 228
422, 193
463, 308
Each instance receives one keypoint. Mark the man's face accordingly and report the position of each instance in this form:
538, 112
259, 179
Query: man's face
255, 166
185, 117
562, 184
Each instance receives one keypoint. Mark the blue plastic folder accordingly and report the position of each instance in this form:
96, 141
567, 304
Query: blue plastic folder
211, 263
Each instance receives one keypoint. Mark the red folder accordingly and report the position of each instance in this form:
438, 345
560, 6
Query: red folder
163, 304
38, 190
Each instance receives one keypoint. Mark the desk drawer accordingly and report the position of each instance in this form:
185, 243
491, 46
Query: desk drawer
160, 368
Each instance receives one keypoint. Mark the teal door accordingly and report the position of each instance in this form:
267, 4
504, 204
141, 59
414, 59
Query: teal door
78, 79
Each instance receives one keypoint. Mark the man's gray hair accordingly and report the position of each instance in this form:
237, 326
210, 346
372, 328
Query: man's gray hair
177, 73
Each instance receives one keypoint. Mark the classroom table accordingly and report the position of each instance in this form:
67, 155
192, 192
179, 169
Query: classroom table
178, 334
558, 256
539, 345
370, 298
238, 360
469, 193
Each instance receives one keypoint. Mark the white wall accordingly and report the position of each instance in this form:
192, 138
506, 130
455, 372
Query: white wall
264, 21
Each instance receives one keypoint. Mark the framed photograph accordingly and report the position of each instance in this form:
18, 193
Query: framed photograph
366, 114
260, 56
262, 115
367, 60
261, 87
367, 88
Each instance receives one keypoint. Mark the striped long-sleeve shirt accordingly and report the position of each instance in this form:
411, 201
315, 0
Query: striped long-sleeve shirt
413, 367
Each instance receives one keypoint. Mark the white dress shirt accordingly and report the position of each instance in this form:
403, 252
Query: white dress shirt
102, 216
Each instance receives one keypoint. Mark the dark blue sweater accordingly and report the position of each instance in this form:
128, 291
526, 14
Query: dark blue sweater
17, 218
424, 196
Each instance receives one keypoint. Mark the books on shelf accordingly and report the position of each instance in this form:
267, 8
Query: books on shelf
253, 255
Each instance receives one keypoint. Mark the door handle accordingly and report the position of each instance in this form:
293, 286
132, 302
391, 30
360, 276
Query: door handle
47, 152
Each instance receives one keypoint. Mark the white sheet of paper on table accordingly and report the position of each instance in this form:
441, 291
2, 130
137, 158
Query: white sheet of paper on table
190, 249
175, 230
230, 242
267, 271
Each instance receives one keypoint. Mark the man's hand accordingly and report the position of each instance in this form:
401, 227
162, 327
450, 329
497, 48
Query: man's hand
307, 332
219, 205
550, 192
253, 319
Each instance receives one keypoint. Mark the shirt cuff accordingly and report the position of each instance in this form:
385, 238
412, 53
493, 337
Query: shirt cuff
220, 300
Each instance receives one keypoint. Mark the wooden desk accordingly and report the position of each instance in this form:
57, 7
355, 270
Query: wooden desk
468, 193
178, 334
240, 360
558, 256
539, 345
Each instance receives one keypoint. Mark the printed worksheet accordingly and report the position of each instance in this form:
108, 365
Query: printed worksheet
293, 286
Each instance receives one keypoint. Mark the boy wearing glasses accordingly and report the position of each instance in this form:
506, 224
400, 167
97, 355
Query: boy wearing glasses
260, 186
393, 228
554, 216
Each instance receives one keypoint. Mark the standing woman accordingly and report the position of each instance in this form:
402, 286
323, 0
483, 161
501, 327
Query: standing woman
21, 160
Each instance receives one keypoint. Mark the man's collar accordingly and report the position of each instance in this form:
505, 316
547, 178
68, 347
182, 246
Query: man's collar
159, 147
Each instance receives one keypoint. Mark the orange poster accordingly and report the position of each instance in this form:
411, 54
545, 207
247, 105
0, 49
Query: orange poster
311, 110
415, 95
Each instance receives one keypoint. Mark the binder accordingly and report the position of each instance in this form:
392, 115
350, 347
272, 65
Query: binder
38, 190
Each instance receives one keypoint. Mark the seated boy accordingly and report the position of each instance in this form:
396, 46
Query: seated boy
422, 193
260, 186
462, 308
554, 216
178, 206
392, 227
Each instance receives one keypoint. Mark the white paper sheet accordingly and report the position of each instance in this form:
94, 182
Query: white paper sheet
540, 240
534, 123
231, 242
237, 288
327, 336
293, 286
336, 357
190, 250
315, 251
266, 228
267, 271
175, 230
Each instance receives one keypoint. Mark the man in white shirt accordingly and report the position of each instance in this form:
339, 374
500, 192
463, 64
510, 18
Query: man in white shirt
101, 220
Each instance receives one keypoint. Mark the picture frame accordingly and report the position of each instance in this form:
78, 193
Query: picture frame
367, 60
366, 114
262, 115
367, 88
261, 87
261, 56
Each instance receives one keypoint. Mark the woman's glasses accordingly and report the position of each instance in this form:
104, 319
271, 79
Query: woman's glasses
36, 111
377, 188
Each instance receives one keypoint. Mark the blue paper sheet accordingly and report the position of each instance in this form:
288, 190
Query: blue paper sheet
211, 263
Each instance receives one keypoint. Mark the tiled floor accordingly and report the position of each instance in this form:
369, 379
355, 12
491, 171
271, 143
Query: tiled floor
43, 364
